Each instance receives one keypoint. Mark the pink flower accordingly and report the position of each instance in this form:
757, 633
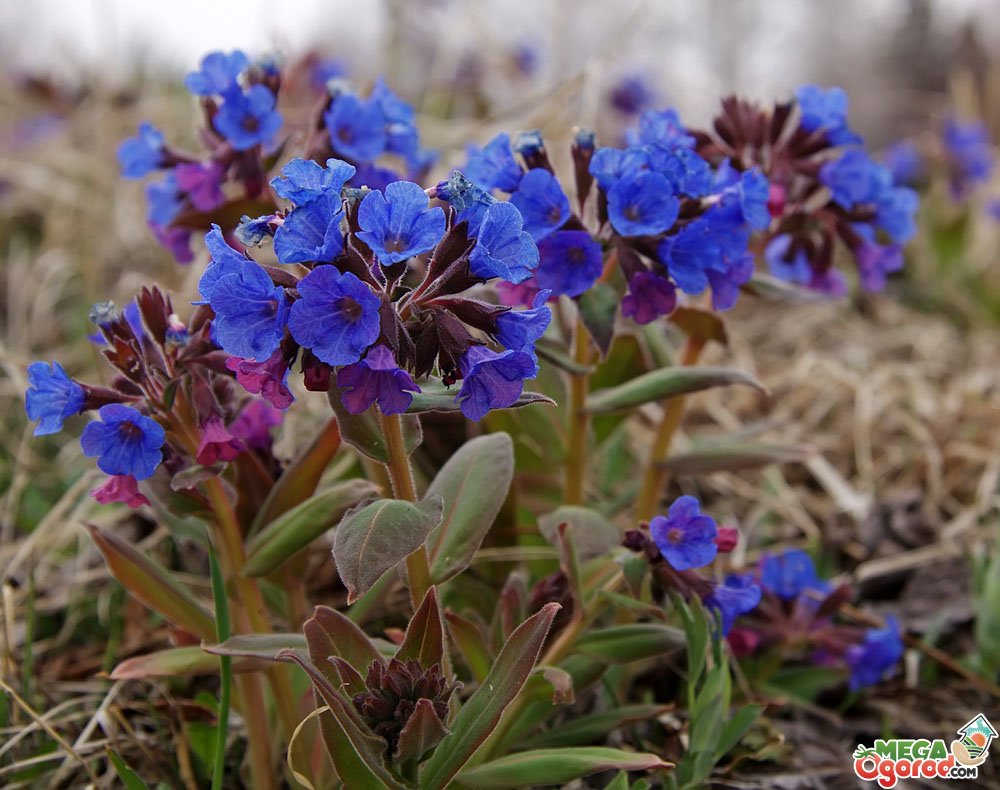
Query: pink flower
253, 424
266, 378
119, 488
217, 443
727, 539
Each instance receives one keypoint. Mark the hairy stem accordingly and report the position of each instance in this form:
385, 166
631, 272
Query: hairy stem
654, 478
579, 420
417, 564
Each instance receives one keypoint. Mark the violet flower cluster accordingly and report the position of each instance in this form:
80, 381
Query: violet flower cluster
380, 295
825, 190
245, 134
685, 541
797, 616
160, 363
661, 215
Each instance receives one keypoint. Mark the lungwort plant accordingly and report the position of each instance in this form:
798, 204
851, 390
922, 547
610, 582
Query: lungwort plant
488, 344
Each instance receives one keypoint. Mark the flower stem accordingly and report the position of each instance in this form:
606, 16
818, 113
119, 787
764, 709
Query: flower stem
579, 420
655, 476
417, 564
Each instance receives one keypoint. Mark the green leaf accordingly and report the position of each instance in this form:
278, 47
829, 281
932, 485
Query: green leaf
473, 485
735, 457
700, 324
330, 633
594, 727
621, 644
471, 644
129, 778
364, 433
666, 383
551, 352
264, 647
444, 400
479, 715
424, 640
620, 782
295, 529
593, 534
734, 729
170, 662
598, 306
422, 732
557, 766
153, 585
299, 480
356, 751
376, 538
223, 628
775, 289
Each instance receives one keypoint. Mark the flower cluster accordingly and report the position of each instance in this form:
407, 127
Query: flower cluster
380, 297
823, 188
241, 131
662, 215
797, 616
685, 540
969, 156
173, 403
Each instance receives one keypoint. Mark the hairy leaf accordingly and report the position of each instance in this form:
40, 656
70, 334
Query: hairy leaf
735, 457
422, 732
444, 400
364, 433
593, 534
598, 307
557, 766
424, 640
593, 727
621, 644
666, 383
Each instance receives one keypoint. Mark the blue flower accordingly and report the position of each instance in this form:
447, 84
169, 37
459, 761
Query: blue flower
663, 129
642, 204
738, 595
726, 283
790, 574
124, 442
755, 191
791, 268
469, 200
401, 135
52, 396
875, 261
337, 317
374, 176
690, 255
685, 536
649, 296
542, 203
164, 199
140, 155
356, 127
631, 95
826, 110
570, 261
896, 213
502, 248
250, 310
398, 225
970, 154
492, 380
904, 163
249, 118
518, 330
529, 142
218, 74
494, 165
311, 233
876, 656
687, 171
376, 379
303, 180
251, 232
852, 178
609, 165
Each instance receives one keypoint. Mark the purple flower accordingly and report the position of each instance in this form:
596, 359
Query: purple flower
202, 183
790, 574
399, 224
218, 74
876, 261
356, 127
649, 296
253, 424
249, 118
685, 536
250, 310
492, 380
176, 240
518, 330
738, 595
337, 317
542, 203
791, 268
570, 261
124, 442
311, 232
726, 283
494, 165
830, 282
267, 378
376, 379
302, 180
140, 155
217, 443
119, 488
503, 249
631, 95
876, 656
52, 396
642, 203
